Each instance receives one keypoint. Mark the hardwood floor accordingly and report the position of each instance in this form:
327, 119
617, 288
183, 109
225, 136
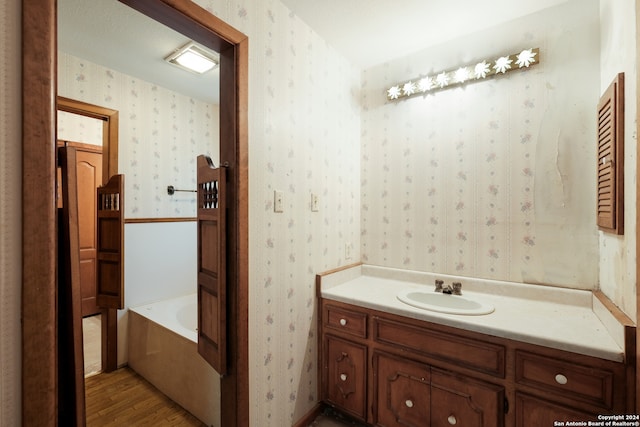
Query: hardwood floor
123, 398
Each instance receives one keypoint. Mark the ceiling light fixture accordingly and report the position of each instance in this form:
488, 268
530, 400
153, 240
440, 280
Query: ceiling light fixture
464, 74
193, 58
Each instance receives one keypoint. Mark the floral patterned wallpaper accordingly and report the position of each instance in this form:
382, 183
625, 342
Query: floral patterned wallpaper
161, 134
304, 137
77, 128
493, 179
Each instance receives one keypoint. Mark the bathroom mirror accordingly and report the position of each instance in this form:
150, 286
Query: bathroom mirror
39, 229
112, 56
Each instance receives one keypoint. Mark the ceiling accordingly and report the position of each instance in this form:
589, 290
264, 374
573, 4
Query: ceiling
370, 32
366, 32
113, 35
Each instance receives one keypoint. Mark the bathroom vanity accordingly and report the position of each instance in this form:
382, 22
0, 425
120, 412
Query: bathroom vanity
543, 355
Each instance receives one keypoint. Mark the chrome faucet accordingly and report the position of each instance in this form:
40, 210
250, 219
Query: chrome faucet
454, 289
457, 288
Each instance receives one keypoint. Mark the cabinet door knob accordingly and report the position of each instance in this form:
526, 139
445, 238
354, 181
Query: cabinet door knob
409, 403
343, 322
561, 379
452, 420
343, 377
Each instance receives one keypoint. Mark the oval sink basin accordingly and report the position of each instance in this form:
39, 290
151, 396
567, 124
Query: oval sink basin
444, 303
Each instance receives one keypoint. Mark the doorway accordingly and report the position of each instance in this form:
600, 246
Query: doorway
39, 383
107, 121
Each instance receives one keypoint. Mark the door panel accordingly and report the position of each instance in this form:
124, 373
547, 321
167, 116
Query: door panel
345, 370
89, 171
212, 283
402, 392
533, 412
463, 401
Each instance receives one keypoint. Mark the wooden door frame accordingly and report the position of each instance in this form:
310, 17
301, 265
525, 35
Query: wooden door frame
39, 225
110, 121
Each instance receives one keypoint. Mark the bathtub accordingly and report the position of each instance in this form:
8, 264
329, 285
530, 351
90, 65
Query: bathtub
163, 350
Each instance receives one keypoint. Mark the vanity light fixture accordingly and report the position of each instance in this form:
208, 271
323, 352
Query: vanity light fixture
193, 58
464, 74
442, 79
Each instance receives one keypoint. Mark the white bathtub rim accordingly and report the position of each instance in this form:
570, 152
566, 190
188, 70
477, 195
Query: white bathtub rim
164, 313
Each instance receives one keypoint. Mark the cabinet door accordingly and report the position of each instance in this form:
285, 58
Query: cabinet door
461, 401
534, 412
401, 392
345, 367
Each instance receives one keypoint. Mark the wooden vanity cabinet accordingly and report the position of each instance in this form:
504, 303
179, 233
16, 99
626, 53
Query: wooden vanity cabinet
391, 371
363, 376
411, 394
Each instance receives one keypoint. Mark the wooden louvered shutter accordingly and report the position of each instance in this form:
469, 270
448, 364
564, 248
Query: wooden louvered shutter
212, 252
610, 208
110, 244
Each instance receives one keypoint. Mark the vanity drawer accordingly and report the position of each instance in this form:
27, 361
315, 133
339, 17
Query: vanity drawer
587, 384
345, 320
470, 353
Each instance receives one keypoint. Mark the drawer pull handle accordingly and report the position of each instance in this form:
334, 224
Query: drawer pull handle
343, 377
561, 379
409, 403
452, 420
343, 322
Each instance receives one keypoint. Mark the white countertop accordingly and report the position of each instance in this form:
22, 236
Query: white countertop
559, 318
